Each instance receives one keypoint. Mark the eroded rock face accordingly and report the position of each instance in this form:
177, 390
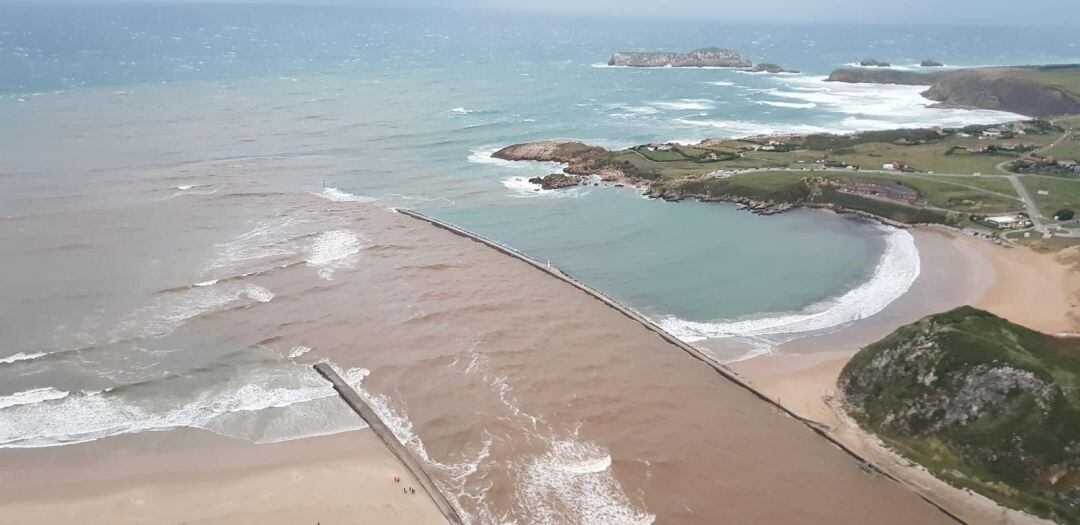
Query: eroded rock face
987, 90
870, 62
707, 57
543, 151
881, 76
556, 181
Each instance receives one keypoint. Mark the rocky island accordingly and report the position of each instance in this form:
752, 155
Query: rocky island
765, 67
706, 57
929, 62
1027, 90
981, 402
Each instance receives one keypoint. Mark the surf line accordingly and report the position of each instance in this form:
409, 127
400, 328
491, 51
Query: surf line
357, 404
724, 371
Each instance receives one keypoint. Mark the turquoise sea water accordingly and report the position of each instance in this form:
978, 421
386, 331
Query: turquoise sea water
405, 107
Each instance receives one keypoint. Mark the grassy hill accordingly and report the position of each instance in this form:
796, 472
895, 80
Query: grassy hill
1028, 90
981, 402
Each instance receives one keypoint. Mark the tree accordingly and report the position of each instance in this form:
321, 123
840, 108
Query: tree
1065, 214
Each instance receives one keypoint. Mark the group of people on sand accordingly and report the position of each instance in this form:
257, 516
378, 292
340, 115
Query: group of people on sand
405, 490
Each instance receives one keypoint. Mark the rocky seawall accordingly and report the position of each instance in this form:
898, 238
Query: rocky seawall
707, 57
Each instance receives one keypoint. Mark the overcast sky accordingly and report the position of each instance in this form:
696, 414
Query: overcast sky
997, 12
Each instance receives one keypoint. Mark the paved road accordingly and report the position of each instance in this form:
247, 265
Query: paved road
1029, 203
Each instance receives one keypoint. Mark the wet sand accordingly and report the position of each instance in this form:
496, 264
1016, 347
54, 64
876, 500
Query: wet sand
1037, 290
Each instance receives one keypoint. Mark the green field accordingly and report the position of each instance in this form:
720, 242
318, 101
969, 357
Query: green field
964, 194
1062, 193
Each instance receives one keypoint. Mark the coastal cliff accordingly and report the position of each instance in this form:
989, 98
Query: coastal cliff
1002, 91
981, 402
1034, 91
707, 57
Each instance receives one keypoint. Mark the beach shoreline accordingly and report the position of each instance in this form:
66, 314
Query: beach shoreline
1036, 290
187, 475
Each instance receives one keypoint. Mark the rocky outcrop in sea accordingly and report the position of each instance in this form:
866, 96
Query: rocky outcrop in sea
706, 57
556, 181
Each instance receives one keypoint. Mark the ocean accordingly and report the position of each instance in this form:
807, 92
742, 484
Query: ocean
157, 163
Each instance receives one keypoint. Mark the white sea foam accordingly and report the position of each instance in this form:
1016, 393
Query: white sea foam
184, 187
796, 105
632, 111
30, 397
894, 274
522, 188
685, 104
334, 250
267, 239
720, 83
49, 417
888, 106
169, 311
573, 483
337, 195
742, 128
21, 356
482, 155
298, 351
204, 284
464, 111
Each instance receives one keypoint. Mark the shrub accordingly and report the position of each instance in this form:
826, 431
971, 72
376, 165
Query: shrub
1064, 214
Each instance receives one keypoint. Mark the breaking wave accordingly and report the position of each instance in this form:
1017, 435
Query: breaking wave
267, 406
333, 250
894, 274
21, 356
337, 195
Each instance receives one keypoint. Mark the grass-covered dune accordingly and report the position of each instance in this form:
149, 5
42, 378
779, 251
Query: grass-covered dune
981, 402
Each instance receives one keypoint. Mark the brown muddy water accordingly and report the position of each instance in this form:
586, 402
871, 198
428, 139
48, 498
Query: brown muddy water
527, 400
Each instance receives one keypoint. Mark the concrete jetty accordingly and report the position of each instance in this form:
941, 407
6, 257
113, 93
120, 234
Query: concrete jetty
358, 405
814, 426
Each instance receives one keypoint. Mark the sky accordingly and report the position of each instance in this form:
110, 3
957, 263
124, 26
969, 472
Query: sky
920, 12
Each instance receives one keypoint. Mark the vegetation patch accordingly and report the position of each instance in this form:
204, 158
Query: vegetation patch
987, 404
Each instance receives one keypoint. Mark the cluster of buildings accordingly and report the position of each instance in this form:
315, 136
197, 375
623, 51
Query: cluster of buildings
660, 147
1005, 222
1007, 146
1039, 161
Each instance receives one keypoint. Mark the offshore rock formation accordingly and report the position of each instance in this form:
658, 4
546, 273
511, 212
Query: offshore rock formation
929, 62
979, 401
556, 181
770, 68
707, 57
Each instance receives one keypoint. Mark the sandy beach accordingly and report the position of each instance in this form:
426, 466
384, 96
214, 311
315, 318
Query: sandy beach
1036, 290
188, 476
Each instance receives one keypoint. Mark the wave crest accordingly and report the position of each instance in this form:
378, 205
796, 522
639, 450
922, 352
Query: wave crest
894, 274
